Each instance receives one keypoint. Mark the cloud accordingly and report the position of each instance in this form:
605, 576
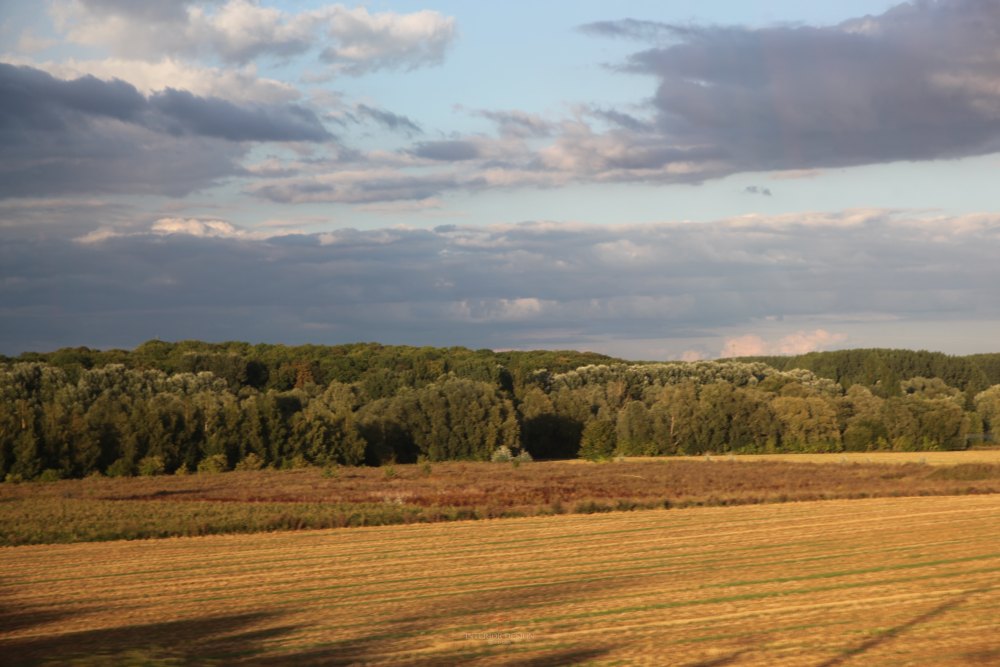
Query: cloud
635, 29
917, 82
913, 83
389, 120
215, 117
751, 285
749, 345
621, 119
86, 135
29, 42
34, 99
196, 227
447, 151
518, 124
241, 31
364, 42
799, 342
802, 342
233, 83
359, 186
238, 31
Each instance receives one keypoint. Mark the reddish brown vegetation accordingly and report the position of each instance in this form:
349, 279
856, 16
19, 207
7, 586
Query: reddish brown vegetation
97, 509
532, 486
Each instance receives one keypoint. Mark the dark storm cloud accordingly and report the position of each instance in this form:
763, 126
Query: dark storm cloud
214, 117
915, 83
32, 99
89, 135
498, 286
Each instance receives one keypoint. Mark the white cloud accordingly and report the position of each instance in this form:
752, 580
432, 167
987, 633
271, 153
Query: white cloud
241, 31
799, 342
196, 227
748, 345
364, 42
99, 235
29, 42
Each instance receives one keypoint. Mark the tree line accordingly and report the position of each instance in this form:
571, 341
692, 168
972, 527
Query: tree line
159, 410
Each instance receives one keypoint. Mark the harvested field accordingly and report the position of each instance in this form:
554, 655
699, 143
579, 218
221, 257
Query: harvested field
895, 581
96, 509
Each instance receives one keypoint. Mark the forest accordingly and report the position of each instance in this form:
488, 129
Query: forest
174, 408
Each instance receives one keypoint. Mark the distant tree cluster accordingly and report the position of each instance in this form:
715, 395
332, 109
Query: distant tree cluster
882, 370
182, 407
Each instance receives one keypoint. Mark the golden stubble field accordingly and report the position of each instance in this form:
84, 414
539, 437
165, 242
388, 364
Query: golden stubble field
943, 458
897, 581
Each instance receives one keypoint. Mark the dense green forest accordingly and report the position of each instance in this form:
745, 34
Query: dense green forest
187, 406
884, 369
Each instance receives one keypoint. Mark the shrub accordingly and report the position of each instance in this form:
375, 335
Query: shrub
250, 462
504, 454
152, 465
50, 475
501, 454
297, 462
213, 464
121, 468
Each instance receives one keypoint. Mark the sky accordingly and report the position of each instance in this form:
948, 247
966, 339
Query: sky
652, 180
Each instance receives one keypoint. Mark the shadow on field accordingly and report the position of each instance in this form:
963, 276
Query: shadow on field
195, 641
19, 618
892, 633
720, 661
473, 628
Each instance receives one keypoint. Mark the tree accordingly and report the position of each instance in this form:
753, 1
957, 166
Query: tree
328, 435
453, 418
635, 430
988, 408
544, 432
864, 434
807, 424
674, 416
598, 440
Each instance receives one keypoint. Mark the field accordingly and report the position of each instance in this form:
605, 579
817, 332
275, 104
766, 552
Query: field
930, 458
97, 509
893, 581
